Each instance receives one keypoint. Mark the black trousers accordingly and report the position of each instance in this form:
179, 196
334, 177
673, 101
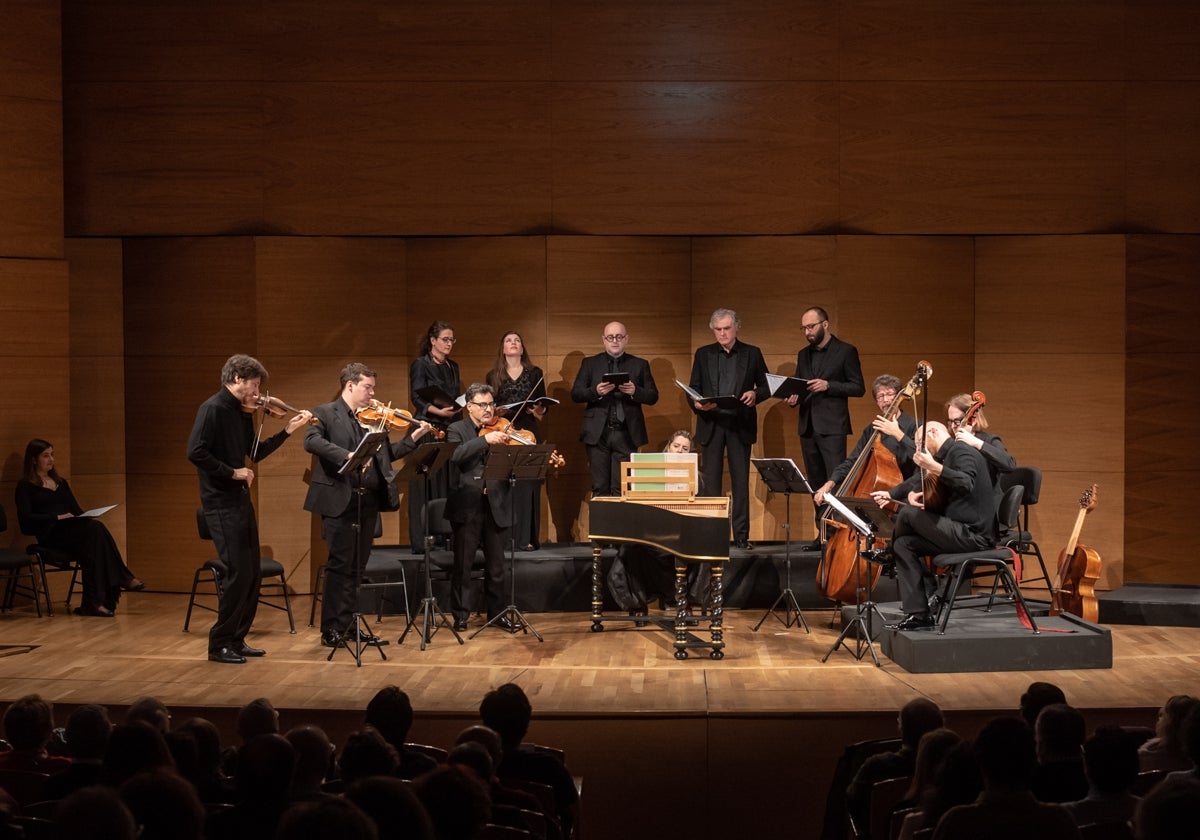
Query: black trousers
822, 455
918, 534
726, 441
481, 529
348, 555
235, 535
605, 459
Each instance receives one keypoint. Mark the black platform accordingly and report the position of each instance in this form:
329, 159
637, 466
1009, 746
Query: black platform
1158, 604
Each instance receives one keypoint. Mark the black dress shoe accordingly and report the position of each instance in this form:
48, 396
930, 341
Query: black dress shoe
98, 610
914, 621
331, 638
226, 655
882, 556
245, 650
506, 623
460, 624
744, 545
371, 639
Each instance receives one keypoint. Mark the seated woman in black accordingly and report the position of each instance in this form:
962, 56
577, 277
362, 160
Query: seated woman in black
48, 511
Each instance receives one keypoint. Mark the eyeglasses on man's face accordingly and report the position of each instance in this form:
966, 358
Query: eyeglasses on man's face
485, 406
618, 337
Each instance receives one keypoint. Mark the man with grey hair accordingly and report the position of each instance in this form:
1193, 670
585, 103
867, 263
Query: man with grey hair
221, 441
729, 367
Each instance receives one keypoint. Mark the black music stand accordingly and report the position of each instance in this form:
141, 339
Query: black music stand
424, 461
868, 519
781, 475
355, 465
513, 463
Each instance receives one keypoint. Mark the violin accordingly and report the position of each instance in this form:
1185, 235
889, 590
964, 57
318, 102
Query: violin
384, 417
273, 407
519, 437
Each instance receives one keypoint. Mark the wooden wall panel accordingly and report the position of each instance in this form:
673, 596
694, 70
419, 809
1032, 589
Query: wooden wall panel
722, 40
381, 158
1163, 178
695, 157
31, 146
163, 158
982, 39
1163, 39
983, 157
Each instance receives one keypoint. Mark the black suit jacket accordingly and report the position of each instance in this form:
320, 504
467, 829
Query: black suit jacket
751, 376
331, 441
466, 478
645, 392
828, 412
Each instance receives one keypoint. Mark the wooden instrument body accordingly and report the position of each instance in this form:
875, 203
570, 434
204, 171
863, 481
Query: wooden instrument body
1078, 570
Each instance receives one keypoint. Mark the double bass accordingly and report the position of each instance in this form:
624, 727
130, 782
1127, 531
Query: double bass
875, 468
1078, 570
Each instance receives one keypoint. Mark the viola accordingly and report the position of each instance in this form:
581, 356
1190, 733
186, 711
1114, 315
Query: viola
385, 418
1078, 570
273, 407
519, 437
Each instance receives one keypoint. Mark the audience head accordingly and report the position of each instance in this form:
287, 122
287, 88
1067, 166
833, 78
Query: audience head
486, 736
28, 723
329, 816
1191, 735
314, 756
1038, 696
150, 710
457, 802
507, 710
390, 713
956, 782
366, 754
94, 813
87, 732
208, 743
1169, 726
474, 757
919, 715
932, 750
1005, 752
134, 748
164, 806
394, 807
1170, 811
265, 767
1110, 759
1059, 732
258, 717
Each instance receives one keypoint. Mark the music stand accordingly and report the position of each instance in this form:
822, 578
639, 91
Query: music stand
355, 465
781, 475
510, 463
863, 610
424, 461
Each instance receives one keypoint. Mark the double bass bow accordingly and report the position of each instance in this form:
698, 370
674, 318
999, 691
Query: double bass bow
1078, 570
841, 567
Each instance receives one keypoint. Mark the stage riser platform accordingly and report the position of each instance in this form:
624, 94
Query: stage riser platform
1160, 605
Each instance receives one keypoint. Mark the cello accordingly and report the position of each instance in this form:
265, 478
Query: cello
875, 468
1078, 570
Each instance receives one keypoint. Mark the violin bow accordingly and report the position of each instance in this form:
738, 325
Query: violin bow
528, 397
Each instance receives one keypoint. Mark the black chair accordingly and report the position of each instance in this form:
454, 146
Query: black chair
213, 571
50, 560
1019, 538
383, 564
15, 566
964, 567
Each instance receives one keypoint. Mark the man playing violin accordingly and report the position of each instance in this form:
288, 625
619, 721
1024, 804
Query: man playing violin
965, 522
221, 441
333, 495
479, 514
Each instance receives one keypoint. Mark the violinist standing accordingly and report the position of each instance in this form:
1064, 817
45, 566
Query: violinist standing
333, 495
834, 374
515, 379
221, 441
613, 423
965, 522
479, 514
432, 367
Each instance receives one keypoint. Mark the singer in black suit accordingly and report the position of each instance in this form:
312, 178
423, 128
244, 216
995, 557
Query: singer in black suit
479, 515
729, 367
332, 495
613, 424
834, 375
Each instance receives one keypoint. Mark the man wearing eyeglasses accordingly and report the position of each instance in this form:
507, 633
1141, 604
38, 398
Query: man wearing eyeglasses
479, 512
834, 375
990, 446
615, 385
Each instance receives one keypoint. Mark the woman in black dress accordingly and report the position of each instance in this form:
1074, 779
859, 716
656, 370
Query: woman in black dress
514, 379
48, 512
433, 368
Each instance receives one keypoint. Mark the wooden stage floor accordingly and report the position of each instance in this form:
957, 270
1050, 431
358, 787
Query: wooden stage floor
598, 694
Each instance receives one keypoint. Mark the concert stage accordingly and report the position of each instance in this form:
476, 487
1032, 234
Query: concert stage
663, 746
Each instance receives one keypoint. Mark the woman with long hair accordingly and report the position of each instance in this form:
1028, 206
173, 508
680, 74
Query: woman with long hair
432, 369
514, 379
48, 512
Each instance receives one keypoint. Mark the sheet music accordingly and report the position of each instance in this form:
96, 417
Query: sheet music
851, 517
94, 512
